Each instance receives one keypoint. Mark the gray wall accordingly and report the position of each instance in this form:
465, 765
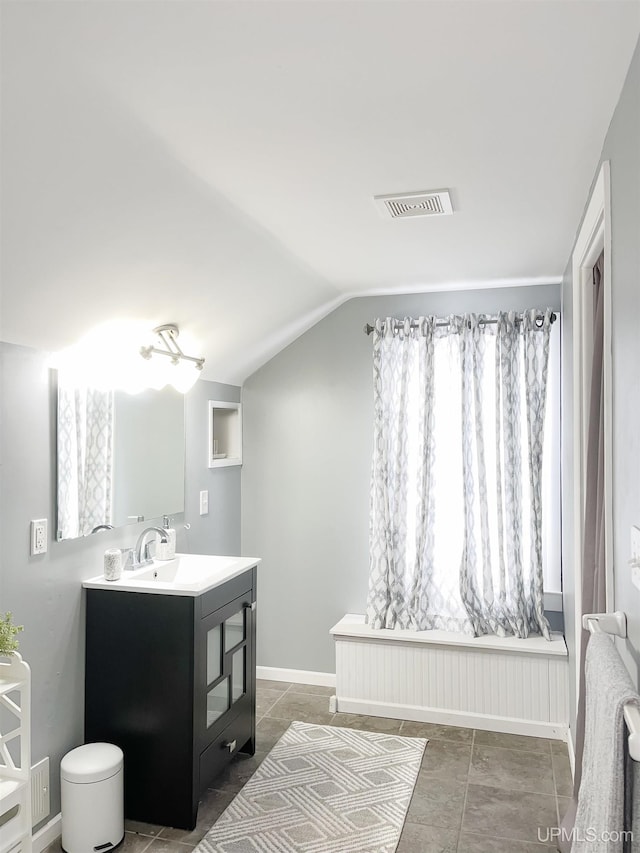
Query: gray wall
308, 421
622, 149
44, 592
219, 531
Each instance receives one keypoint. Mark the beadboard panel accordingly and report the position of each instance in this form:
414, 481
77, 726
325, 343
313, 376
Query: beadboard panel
422, 681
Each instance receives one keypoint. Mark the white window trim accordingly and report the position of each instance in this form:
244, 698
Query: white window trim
593, 238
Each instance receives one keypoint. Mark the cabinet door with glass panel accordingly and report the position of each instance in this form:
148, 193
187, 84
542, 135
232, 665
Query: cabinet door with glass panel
228, 664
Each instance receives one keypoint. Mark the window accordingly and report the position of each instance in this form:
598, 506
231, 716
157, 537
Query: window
450, 522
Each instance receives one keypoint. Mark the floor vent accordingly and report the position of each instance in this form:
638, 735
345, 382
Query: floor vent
408, 205
40, 805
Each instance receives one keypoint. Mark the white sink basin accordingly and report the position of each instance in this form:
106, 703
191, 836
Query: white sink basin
187, 574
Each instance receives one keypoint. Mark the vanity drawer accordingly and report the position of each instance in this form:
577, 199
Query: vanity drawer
215, 598
217, 755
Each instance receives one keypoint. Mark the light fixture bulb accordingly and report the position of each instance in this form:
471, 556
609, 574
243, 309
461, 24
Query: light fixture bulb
183, 376
127, 355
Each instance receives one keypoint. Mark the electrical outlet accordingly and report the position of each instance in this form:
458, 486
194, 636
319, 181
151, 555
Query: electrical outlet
634, 562
204, 502
39, 536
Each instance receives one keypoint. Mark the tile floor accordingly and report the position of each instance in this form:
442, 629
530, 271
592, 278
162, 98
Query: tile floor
477, 791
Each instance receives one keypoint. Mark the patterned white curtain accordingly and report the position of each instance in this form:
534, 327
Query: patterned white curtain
408, 586
455, 533
85, 458
501, 585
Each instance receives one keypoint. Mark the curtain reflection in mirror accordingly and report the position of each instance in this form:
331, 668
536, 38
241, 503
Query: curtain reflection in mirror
85, 458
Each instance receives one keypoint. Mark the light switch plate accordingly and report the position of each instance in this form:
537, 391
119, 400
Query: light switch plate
39, 536
635, 556
204, 502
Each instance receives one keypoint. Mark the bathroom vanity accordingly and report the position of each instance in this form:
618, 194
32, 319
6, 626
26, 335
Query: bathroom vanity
170, 678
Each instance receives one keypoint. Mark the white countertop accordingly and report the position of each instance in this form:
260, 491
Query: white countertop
186, 574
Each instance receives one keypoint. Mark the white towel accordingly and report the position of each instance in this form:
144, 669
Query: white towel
599, 826
632, 805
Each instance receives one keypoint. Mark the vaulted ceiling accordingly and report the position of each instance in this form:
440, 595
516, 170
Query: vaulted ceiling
213, 163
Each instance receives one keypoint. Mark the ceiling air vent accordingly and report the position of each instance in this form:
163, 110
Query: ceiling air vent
429, 203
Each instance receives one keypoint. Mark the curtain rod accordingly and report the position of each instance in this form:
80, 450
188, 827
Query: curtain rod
368, 328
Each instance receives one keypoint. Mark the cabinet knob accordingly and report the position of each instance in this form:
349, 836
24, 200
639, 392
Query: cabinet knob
230, 746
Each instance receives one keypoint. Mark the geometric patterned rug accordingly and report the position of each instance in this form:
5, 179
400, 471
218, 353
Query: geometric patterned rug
322, 789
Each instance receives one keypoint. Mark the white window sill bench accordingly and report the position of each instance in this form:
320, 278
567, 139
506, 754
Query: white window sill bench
504, 684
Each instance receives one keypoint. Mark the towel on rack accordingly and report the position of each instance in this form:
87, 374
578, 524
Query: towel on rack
632, 804
600, 817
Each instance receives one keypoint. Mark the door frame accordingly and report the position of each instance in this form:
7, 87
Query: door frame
593, 238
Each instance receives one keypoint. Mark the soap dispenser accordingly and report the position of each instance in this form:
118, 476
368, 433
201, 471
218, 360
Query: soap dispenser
167, 550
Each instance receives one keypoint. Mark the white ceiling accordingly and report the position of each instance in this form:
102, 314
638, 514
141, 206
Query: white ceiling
213, 163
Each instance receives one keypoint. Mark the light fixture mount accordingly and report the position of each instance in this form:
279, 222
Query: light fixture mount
168, 334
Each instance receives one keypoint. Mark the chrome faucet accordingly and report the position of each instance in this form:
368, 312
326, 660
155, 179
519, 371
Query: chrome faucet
102, 527
141, 553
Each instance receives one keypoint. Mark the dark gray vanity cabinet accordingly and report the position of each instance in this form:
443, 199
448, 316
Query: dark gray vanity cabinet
171, 680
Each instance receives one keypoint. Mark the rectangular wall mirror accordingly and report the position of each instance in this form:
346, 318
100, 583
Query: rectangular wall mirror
120, 458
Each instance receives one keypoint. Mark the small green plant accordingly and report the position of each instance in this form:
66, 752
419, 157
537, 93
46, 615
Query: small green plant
8, 631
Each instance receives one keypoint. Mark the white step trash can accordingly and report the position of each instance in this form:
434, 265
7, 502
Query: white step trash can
92, 798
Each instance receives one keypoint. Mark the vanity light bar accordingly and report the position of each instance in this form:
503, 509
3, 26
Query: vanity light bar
168, 334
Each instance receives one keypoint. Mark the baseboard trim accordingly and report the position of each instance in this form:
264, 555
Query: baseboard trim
297, 676
47, 834
508, 725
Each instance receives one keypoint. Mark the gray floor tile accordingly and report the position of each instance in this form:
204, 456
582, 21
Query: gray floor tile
437, 802
529, 744
512, 769
481, 844
265, 700
559, 747
562, 775
436, 731
418, 838
517, 815
142, 828
446, 759
211, 807
134, 843
282, 686
167, 845
268, 733
368, 724
563, 807
506, 803
302, 706
314, 689
237, 773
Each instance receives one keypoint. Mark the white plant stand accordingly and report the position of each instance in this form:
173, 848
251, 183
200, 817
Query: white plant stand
15, 781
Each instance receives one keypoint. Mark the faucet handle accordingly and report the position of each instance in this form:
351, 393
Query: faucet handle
128, 558
147, 551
